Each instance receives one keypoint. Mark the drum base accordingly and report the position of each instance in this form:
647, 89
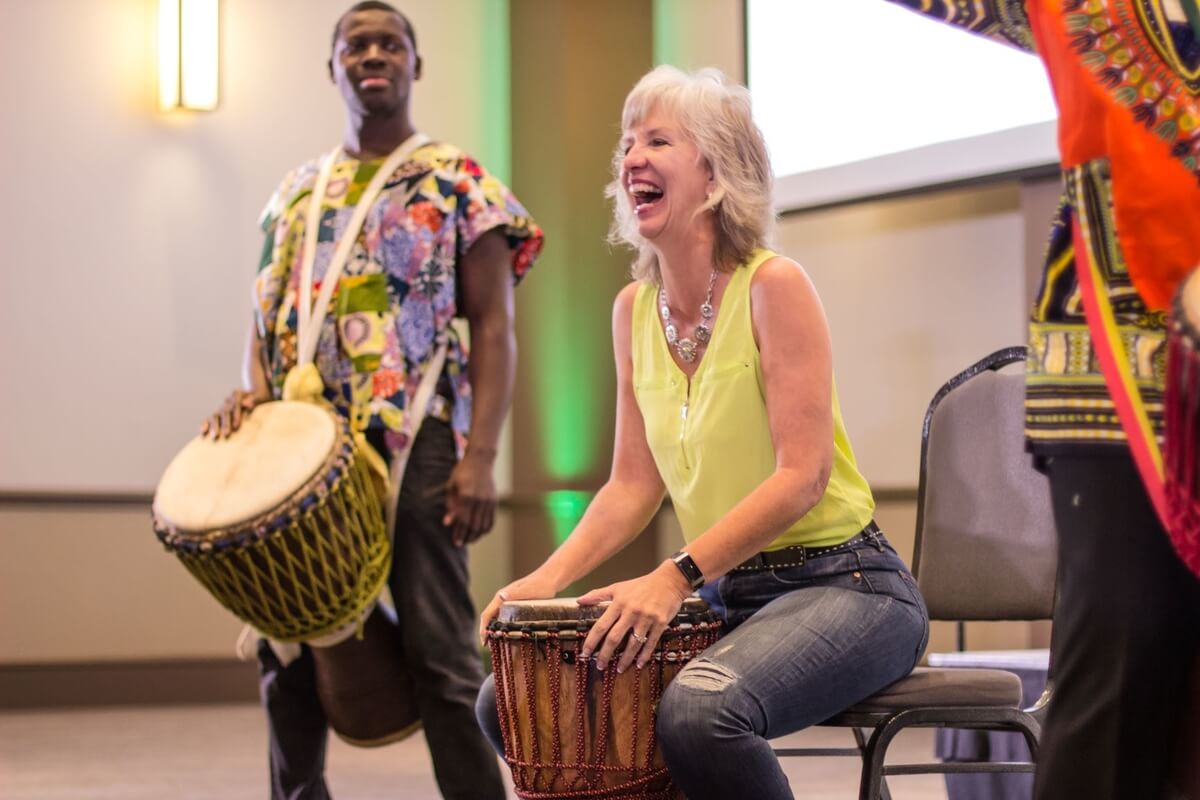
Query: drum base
395, 736
660, 788
365, 687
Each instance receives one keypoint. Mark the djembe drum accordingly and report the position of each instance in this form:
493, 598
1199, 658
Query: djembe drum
571, 730
1181, 455
282, 526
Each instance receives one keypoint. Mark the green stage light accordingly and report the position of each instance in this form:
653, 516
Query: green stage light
565, 508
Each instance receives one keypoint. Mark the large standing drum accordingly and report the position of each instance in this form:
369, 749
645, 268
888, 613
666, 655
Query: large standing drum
571, 730
281, 524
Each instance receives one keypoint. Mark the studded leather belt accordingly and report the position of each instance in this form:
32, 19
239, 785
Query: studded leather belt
797, 555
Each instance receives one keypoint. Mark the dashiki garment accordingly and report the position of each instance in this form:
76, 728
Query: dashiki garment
399, 291
1126, 78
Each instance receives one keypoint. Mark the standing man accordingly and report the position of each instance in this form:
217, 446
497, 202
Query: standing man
443, 238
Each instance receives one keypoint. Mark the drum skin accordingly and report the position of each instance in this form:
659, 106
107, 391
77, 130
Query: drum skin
215, 485
572, 730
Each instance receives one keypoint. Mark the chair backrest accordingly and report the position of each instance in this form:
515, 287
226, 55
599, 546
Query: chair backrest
985, 539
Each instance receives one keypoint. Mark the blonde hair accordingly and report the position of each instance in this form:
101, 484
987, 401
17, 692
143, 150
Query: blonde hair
714, 114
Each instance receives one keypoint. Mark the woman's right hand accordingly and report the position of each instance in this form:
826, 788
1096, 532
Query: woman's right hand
228, 418
531, 587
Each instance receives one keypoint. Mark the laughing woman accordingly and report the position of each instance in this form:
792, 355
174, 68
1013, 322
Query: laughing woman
726, 402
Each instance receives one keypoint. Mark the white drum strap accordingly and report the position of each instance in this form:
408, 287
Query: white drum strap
312, 315
419, 408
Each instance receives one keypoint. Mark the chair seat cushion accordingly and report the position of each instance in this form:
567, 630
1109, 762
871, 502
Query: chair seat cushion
931, 686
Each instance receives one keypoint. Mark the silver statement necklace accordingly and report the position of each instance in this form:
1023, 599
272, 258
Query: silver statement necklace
688, 348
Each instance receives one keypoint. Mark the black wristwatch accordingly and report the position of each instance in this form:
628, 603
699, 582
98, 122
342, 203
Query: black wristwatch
687, 566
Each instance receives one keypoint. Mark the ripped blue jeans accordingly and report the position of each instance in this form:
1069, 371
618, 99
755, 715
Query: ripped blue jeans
801, 644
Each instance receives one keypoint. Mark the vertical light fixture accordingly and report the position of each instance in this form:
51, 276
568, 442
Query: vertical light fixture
188, 47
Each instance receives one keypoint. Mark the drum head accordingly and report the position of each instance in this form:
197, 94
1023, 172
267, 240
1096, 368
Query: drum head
557, 609
211, 484
565, 610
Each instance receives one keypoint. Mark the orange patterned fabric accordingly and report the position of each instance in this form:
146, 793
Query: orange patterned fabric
1126, 95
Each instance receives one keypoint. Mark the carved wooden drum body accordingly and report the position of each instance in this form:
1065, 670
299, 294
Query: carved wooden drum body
571, 730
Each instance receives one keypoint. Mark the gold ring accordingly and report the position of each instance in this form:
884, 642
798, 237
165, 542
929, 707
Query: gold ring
639, 639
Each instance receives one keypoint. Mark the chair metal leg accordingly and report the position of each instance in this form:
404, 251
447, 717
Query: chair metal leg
871, 744
871, 784
861, 739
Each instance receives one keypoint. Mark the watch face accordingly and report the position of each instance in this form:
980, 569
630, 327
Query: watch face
689, 569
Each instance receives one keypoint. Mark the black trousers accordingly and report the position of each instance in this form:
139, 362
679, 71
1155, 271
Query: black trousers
1126, 624
429, 585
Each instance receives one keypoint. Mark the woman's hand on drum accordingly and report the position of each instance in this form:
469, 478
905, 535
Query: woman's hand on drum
229, 416
641, 608
531, 587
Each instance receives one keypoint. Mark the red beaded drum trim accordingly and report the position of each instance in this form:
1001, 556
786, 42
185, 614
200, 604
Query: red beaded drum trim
541, 779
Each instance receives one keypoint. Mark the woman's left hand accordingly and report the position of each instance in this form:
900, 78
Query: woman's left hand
642, 608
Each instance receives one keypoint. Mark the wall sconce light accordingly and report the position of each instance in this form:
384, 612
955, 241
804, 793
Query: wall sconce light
188, 47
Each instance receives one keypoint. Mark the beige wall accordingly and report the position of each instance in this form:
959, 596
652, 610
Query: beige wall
90, 583
129, 253
915, 289
163, 244
700, 33
132, 242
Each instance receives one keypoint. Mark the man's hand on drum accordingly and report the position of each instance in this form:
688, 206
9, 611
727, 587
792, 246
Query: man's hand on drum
531, 587
229, 416
641, 608
470, 499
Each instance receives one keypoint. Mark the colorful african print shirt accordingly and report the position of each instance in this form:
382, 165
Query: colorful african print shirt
1125, 78
398, 293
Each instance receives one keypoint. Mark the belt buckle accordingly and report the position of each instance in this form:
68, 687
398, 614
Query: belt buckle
794, 556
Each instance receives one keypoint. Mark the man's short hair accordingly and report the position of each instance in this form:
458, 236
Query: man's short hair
374, 5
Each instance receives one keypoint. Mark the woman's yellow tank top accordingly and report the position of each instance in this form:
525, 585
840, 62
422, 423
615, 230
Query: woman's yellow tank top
710, 437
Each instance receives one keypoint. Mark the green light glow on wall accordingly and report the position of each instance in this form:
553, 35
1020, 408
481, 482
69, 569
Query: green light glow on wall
568, 359
666, 31
565, 509
497, 76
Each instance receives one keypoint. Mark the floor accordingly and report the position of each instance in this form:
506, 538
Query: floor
203, 752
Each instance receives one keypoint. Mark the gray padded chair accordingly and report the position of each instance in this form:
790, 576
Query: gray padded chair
985, 550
